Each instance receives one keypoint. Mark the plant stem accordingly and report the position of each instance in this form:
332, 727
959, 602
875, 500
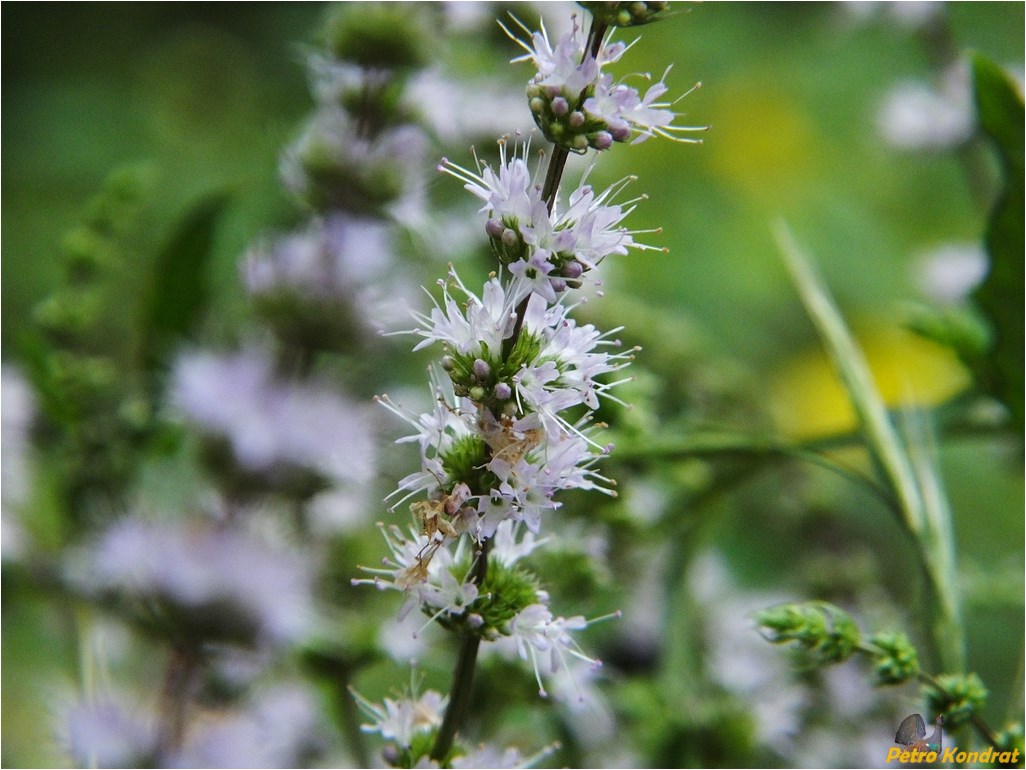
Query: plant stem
921, 506
177, 680
557, 162
462, 675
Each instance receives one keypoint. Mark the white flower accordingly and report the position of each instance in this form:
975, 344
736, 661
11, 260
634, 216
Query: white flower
507, 549
442, 102
439, 432
486, 323
626, 112
564, 66
577, 105
949, 271
400, 720
915, 116
334, 145
18, 411
534, 630
331, 257
422, 568
546, 249
510, 194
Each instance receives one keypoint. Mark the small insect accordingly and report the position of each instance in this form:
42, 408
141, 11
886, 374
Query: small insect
436, 515
431, 515
912, 733
508, 444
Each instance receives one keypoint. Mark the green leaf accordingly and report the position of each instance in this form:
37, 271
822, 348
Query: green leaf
179, 292
999, 106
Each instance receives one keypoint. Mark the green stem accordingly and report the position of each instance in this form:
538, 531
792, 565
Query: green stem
979, 724
921, 506
557, 162
181, 668
462, 675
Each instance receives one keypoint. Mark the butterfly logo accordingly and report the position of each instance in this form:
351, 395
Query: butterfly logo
912, 733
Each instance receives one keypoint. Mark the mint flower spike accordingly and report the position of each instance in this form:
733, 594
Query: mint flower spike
547, 251
578, 106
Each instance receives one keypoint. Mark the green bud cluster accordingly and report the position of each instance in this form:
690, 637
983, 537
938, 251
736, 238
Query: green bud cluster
956, 697
897, 660
380, 36
1011, 739
509, 246
562, 118
96, 414
628, 14
350, 157
360, 185
506, 592
465, 461
486, 376
827, 632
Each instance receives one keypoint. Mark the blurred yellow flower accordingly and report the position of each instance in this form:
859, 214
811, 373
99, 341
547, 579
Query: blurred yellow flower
807, 398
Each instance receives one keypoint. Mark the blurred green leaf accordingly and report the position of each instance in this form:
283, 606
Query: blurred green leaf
1000, 112
179, 291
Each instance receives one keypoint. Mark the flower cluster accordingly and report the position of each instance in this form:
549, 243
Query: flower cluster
546, 247
579, 106
274, 428
199, 583
518, 383
504, 446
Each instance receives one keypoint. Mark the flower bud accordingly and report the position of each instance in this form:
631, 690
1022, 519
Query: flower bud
956, 697
494, 228
558, 285
897, 661
630, 14
448, 363
826, 631
579, 143
602, 140
481, 369
376, 36
576, 119
560, 106
573, 269
510, 237
620, 133
477, 393
537, 105
503, 391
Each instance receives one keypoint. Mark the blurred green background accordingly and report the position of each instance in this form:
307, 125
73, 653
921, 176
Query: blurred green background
209, 93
